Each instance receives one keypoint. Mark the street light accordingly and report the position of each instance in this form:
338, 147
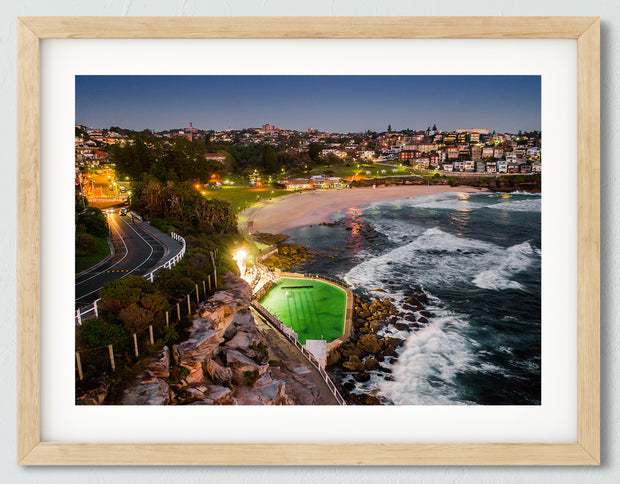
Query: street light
239, 258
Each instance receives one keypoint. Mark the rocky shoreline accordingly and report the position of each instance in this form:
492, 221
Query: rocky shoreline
371, 350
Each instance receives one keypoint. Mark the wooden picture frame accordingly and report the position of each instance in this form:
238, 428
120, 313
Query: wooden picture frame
32, 451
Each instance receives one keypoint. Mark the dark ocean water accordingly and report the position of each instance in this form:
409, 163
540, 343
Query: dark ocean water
477, 257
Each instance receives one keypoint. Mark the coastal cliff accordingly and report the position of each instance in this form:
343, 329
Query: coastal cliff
228, 358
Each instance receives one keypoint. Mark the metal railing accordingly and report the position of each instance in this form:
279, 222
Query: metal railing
291, 335
92, 310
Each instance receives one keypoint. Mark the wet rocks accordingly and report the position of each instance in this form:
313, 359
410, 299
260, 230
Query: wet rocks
369, 343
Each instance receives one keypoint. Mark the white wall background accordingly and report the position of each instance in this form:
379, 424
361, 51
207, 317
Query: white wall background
609, 471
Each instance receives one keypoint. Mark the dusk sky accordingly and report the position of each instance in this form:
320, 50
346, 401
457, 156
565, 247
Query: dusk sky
326, 103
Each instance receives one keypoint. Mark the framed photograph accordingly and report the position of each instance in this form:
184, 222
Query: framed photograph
308, 241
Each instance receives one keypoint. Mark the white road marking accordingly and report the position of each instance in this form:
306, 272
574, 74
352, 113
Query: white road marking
115, 264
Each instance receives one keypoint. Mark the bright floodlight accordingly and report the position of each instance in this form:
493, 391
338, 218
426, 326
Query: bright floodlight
239, 258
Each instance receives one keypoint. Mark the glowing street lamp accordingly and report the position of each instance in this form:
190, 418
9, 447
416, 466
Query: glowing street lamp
239, 258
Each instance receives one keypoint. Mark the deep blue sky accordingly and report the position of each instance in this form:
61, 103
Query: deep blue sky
326, 103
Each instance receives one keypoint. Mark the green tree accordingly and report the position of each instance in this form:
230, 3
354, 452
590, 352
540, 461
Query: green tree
93, 221
314, 151
121, 293
97, 332
270, 160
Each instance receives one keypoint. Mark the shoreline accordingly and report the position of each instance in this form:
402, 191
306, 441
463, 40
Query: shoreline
314, 207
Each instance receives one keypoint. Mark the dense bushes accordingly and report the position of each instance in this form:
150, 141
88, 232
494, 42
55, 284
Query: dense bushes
92, 221
173, 282
85, 244
183, 203
99, 332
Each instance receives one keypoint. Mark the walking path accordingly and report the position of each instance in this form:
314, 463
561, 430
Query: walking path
304, 381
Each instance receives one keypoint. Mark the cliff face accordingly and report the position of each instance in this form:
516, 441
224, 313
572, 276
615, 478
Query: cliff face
224, 361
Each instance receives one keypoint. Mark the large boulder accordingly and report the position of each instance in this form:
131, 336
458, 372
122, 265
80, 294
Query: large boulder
242, 340
147, 390
369, 343
216, 395
200, 346
222, 307
390, 346
95, 396
220, 375
266, 391
160, 363
245, 370
353, 364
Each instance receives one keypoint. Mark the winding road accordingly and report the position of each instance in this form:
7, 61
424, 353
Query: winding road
138, 249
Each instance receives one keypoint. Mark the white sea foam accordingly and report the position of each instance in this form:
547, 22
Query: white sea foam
516, 259
467, 202
437, 258
526, 205
429, 363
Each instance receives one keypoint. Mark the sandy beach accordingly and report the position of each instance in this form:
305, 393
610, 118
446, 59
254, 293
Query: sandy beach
315, 207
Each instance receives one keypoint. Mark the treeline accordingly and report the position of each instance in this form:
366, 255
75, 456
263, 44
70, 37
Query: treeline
91, 231
181, 202
183, 160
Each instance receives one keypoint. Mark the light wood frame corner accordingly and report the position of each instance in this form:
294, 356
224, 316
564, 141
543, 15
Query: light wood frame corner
585, 30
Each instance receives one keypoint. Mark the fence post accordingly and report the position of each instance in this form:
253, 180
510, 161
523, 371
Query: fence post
135, 344
151, 277
209, 279
78, 361
111, 352
204, 288
151, 334
212, 254
96, 309
189, 305
197, 295
178, 311
79, 316
167, 319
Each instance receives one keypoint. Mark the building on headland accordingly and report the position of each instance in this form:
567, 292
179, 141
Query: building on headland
459, 165
476, 130
464, 150
502, 166
215, 156
476, 152
452, 152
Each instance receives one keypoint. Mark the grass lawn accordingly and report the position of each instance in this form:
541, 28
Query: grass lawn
317, 312
102, 250
243, 197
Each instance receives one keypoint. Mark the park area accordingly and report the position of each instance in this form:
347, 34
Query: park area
242, 197
314, 309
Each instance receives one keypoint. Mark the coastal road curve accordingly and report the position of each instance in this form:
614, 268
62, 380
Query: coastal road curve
138, 249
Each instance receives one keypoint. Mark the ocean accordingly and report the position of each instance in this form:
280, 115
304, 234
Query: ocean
478, 259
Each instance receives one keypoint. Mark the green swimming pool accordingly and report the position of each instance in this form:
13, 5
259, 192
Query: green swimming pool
314, 309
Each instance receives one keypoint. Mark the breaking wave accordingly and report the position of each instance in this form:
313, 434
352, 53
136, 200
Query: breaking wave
437, 258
